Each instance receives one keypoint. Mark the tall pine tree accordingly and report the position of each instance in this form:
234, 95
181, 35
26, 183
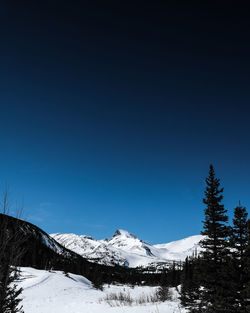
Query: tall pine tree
215, 296
247, 255
238, 244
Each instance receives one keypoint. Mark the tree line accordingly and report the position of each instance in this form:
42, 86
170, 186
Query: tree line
218, 279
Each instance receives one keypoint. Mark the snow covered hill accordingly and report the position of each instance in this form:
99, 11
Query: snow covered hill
126, 249
53, 292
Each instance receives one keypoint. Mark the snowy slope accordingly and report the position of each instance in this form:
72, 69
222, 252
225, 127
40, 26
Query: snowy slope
126, 249
53, 292
180, 249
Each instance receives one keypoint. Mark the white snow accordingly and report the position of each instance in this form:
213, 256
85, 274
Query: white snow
126, 249
53, 292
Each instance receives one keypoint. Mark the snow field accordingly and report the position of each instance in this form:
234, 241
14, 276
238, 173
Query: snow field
53, 292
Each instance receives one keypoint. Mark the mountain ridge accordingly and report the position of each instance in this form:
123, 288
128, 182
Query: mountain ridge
41, 251
126, 249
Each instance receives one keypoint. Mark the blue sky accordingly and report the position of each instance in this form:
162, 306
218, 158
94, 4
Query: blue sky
136, 168
110, 121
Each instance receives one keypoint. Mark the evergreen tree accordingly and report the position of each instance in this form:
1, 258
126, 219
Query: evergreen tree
9, 254
247, 255
11, 250
186, 283
215, 296
238, 243
173, 276
163, 292
190, 287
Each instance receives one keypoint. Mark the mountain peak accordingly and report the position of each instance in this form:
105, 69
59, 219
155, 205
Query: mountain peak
126, 249
123, 233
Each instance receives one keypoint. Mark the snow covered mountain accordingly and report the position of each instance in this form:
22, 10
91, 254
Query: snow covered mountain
126, 249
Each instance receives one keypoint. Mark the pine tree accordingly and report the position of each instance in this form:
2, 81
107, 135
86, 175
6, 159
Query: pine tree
247, 255
238, 243
163, 292
9, 254
190, 287
174, 275
11, 250
215, 296
186, 282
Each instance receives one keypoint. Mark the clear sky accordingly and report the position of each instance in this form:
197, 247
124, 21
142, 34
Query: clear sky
111, 115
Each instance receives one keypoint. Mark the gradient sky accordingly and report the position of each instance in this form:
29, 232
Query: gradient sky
111, 115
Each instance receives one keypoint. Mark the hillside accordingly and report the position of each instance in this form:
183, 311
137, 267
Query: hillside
41, 251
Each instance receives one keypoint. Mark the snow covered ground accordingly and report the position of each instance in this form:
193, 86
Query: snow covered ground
53, 292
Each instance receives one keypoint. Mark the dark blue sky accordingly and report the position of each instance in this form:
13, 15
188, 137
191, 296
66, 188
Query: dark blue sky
111, 115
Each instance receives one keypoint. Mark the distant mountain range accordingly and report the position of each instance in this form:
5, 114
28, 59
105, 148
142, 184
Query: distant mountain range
125, 249
99, 259
41, 251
